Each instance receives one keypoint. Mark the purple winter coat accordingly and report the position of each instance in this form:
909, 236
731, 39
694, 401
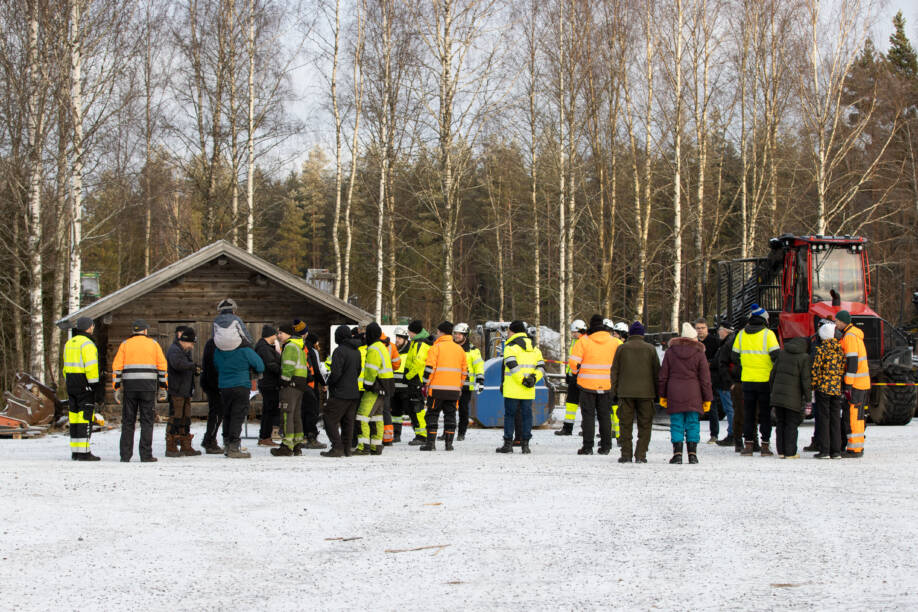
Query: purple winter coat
685, 379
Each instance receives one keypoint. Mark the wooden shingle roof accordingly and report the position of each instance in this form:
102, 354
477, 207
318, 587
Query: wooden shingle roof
221, 248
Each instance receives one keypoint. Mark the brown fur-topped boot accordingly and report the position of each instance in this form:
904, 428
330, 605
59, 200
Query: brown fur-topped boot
172, 449
187, 449
766, 452
747, 450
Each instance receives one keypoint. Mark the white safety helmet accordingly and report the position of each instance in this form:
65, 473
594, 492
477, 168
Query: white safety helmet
578, 325
621, 327
461, 328
401, 331
608, 324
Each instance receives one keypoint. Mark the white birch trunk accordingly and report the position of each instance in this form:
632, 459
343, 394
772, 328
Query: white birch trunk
76, 173
35, 83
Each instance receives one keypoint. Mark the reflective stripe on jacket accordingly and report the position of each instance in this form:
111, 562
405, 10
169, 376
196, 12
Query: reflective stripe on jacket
857, 370
475, 365
294, 366
139, 365
446, 369
377, 364
417, 357
591, 359
755, 354
521, 359
82, 357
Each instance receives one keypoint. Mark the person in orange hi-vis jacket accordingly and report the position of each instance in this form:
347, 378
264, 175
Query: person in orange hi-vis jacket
856, 387
445, 372
591, 360
139, 369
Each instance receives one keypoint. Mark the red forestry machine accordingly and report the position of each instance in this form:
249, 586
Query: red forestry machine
807, 278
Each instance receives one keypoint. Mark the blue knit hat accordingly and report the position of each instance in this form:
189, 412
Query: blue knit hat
758, 311
636, 329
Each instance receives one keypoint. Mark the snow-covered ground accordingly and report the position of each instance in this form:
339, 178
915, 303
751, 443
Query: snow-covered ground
547, 531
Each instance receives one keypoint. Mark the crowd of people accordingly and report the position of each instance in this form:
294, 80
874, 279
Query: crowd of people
373, 386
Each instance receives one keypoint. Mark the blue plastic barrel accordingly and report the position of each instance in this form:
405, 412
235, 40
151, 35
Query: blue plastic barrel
489, 408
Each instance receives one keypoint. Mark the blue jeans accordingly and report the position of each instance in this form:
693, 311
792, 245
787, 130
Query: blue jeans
684, 426
726, 400
511, 407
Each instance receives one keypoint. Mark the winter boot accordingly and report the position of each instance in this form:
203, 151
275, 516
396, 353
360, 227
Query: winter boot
360, 452
335, 452
212, 448
235, 452
187, 449
85, 457
813, 446
449, 441
738, 442
172, 449
756, 447
604, 450
418, 441
566, 430
430, 444
727, 441
282, 450
396, 433
376, 449
766, 452
460, 437
312, 442
748, 449
677, 453
263, 442
442, 437
148, 459
507, 447
525, 447
585, 450
692, 452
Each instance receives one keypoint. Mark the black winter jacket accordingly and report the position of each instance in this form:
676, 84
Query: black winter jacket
181, 371
270, 380
345, 370
209, 377
727, 372
791, 376
711, 348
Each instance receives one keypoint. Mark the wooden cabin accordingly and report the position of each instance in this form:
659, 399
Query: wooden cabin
188, 291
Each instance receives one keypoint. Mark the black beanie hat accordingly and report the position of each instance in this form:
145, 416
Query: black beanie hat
188, 335
518, 327
373, 332
267, 331
287, 328
342, 333
415, 327
446, 327
596, 322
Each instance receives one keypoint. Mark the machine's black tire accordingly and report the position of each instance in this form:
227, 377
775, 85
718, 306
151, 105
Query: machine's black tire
893, 405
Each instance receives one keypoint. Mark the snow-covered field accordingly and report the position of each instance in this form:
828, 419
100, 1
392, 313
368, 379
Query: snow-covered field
547, 531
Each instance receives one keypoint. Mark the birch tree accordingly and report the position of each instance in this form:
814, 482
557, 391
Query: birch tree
462, 64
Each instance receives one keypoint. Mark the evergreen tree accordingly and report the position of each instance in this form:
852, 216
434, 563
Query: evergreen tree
901, 54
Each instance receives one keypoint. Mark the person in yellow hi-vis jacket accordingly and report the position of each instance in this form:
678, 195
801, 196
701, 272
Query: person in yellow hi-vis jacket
377, 383
415, 362
475, 382
755, 349
523, 369
572, 399
84, 387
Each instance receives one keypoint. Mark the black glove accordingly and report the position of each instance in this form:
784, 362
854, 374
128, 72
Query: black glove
570, 379
529, 381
